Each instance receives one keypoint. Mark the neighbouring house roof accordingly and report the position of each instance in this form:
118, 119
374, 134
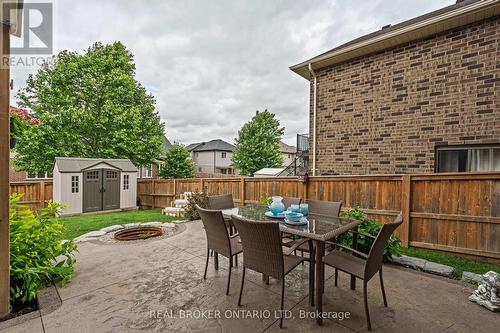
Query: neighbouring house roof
71, 164
287, 149
456, 15
166, 143
217, 145
268, 172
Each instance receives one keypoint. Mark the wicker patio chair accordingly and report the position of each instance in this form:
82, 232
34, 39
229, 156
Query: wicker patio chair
318, 207
263, 253
288, 201
219, 240
328, 208
363, 266
220, 202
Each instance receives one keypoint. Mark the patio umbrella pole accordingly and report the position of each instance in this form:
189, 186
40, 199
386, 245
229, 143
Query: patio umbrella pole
4, 173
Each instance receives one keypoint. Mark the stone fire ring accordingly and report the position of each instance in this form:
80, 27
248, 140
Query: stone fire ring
107, 235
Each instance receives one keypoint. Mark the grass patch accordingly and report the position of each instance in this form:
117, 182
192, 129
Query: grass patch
458, 263
81, 224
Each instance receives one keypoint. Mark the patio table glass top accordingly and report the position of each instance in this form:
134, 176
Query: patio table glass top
318, 227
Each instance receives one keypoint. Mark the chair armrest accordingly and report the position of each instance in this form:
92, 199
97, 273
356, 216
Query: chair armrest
362, 234
295, 246
235, 235
361, 254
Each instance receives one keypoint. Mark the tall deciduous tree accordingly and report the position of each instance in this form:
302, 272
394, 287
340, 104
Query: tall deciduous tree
257, 145
89, 105
178, 163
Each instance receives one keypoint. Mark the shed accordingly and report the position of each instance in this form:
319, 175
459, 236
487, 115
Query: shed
86, 185
268, 172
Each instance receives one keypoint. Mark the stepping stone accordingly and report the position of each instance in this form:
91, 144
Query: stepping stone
471, 277
438, 269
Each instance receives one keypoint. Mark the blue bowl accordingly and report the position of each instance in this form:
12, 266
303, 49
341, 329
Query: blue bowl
293, 216
294, 208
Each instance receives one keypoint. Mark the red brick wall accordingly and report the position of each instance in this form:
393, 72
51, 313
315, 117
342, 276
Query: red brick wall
15, 176
386, 112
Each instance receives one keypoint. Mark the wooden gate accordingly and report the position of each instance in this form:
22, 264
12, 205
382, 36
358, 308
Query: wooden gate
101, 190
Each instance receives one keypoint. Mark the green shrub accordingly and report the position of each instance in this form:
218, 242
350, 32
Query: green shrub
370, 227
37, 253
196, 198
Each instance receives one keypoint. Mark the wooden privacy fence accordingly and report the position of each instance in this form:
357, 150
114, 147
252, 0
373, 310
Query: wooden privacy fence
451, 212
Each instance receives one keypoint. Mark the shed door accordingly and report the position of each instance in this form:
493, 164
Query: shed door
92, 190
101, 190
111, 195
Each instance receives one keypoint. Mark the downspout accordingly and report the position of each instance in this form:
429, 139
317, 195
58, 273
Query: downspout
315, 95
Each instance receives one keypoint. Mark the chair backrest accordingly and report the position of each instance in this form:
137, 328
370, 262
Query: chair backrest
288, 201
376, 255
219, 202
328, 208
215, 228
261, 242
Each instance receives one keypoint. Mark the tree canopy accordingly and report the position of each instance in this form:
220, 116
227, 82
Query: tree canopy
257, 145
178, 163
89, 105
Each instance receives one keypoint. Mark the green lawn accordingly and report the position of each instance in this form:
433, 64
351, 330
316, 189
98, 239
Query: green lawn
81, 224
460, 264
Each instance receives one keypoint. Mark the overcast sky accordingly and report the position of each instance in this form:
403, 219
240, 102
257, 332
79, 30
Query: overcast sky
212, 64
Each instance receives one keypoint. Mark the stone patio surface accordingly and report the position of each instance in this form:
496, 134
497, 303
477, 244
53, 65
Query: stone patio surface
154, 286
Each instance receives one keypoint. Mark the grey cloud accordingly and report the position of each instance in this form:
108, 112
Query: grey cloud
211, 64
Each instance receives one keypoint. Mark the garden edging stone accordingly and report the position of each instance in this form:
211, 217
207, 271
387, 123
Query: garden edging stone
423, 265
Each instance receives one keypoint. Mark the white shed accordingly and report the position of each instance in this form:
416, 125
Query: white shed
268, 172
85, 185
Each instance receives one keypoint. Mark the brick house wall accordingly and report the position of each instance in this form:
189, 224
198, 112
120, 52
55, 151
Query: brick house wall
386, 113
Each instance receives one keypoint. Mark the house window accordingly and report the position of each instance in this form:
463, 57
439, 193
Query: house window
75, 184
39, 175
126, 182
147, 171
468, 159
223, 154
199, 169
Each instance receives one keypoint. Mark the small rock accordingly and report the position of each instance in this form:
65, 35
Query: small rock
93, 234
471, 277
438, 269
112, 228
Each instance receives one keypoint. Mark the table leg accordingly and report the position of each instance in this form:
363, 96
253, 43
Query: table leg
311, 272
216, 261
355, 247
320, 276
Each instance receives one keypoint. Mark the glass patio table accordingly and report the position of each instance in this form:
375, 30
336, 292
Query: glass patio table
319, 228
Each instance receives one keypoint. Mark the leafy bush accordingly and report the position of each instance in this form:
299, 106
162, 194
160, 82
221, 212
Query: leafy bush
370, 227
265, 200
35, 246
196, 198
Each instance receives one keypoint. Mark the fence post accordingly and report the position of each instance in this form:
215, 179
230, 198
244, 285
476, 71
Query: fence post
405, 209
153, 191
242, 191
42, 193
175, 188
201, 185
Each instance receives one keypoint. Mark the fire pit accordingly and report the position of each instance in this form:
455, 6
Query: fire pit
137, 233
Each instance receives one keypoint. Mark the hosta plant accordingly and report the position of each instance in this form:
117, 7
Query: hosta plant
38, 254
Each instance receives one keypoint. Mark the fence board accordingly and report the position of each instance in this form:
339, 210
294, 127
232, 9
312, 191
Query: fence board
451, 212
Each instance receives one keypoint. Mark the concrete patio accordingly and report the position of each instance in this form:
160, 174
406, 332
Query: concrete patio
150, 287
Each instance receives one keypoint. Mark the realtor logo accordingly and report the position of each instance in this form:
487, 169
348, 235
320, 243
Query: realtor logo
37, 24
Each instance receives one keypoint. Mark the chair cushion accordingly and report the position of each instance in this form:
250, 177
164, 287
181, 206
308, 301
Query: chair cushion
346, 262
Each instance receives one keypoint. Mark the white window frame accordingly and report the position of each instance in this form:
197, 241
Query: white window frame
143, 170
126, 182
75, 184
469, 149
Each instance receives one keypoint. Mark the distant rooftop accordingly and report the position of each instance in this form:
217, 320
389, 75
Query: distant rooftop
284, 148
212, 145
